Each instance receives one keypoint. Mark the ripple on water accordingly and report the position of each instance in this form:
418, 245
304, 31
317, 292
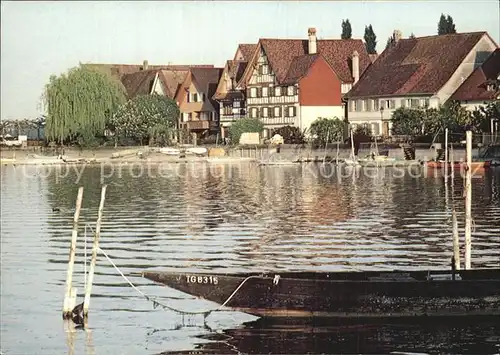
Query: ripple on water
241, 220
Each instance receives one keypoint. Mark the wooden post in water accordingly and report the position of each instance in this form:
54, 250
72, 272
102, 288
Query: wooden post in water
95, 247
69, 304
446, 160
468, 200
456, 242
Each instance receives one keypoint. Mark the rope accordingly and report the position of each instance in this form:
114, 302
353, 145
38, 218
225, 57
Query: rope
156, 303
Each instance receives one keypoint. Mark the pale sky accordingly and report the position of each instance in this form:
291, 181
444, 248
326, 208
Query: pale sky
39, 38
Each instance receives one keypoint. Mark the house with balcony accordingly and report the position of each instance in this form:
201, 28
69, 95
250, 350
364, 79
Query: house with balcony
229, 94
199, 112
415, 72
295, 81
482, 86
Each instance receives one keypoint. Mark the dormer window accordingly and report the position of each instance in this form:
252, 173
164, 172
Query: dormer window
490, 87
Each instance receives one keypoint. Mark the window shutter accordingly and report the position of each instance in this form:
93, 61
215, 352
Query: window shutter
248, 92
260, 69
271, 91
262, 112
294, 90
279, 112
287, 111
403, 103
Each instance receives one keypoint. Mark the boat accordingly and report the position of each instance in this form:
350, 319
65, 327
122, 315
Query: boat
170, 151
346, 295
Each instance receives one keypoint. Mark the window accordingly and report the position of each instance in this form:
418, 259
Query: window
277, 91
253, 112
389, 104
359, 105
290, 91
291, 111
277, 111
190, 116
369, 105
253, 92
426, 103
364, 105
352, 106
194, 97
376, 105
405, 103
415, 103
265, 69
185, 117
236, 104
265, 112
265, 91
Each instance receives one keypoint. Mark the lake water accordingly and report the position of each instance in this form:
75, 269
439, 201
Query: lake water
227, 218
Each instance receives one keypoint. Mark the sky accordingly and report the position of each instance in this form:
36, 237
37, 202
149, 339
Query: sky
42, 38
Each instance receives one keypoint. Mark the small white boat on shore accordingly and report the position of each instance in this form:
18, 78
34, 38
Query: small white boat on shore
170, 151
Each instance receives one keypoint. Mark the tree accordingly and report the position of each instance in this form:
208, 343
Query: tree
370, 40
80, 103
391, 41
412, 36
327, 130
290, 134
146, 117
346, 30
446, 25
250, 125
407, 122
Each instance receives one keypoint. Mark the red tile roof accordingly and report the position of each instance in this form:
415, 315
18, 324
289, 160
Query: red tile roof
141, 82
474, 87
299, 68
337, 52
247, 50
415, 65
235, 70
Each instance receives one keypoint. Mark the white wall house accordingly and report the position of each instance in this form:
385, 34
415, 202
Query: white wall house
418, 72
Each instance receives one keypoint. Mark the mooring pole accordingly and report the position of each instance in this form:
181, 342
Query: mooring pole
95, 247
456, 242
446, 160
69, 301
468, 200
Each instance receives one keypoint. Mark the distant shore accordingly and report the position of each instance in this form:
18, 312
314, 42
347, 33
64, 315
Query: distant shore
145, 154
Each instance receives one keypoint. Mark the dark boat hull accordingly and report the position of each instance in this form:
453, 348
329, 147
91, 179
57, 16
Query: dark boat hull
346, 294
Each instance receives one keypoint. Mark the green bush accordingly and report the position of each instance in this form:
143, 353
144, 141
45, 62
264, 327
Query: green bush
244, 125
290, 134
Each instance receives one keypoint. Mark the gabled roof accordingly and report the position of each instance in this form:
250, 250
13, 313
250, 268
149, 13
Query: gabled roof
415, 65
299, 68
139, 83
246, 51
234, 70
142, 82
207, 80
337, 53
474, 88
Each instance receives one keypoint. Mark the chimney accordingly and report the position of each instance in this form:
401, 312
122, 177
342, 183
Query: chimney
397, 35
145, 65
355, 66
312, 40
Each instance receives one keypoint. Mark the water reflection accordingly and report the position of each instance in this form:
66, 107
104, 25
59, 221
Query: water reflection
222, 218
265, 337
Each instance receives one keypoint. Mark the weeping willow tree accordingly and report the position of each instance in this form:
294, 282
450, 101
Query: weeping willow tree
80, 104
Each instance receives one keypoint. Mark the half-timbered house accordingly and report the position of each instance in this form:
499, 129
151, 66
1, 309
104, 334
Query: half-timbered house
294, 81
